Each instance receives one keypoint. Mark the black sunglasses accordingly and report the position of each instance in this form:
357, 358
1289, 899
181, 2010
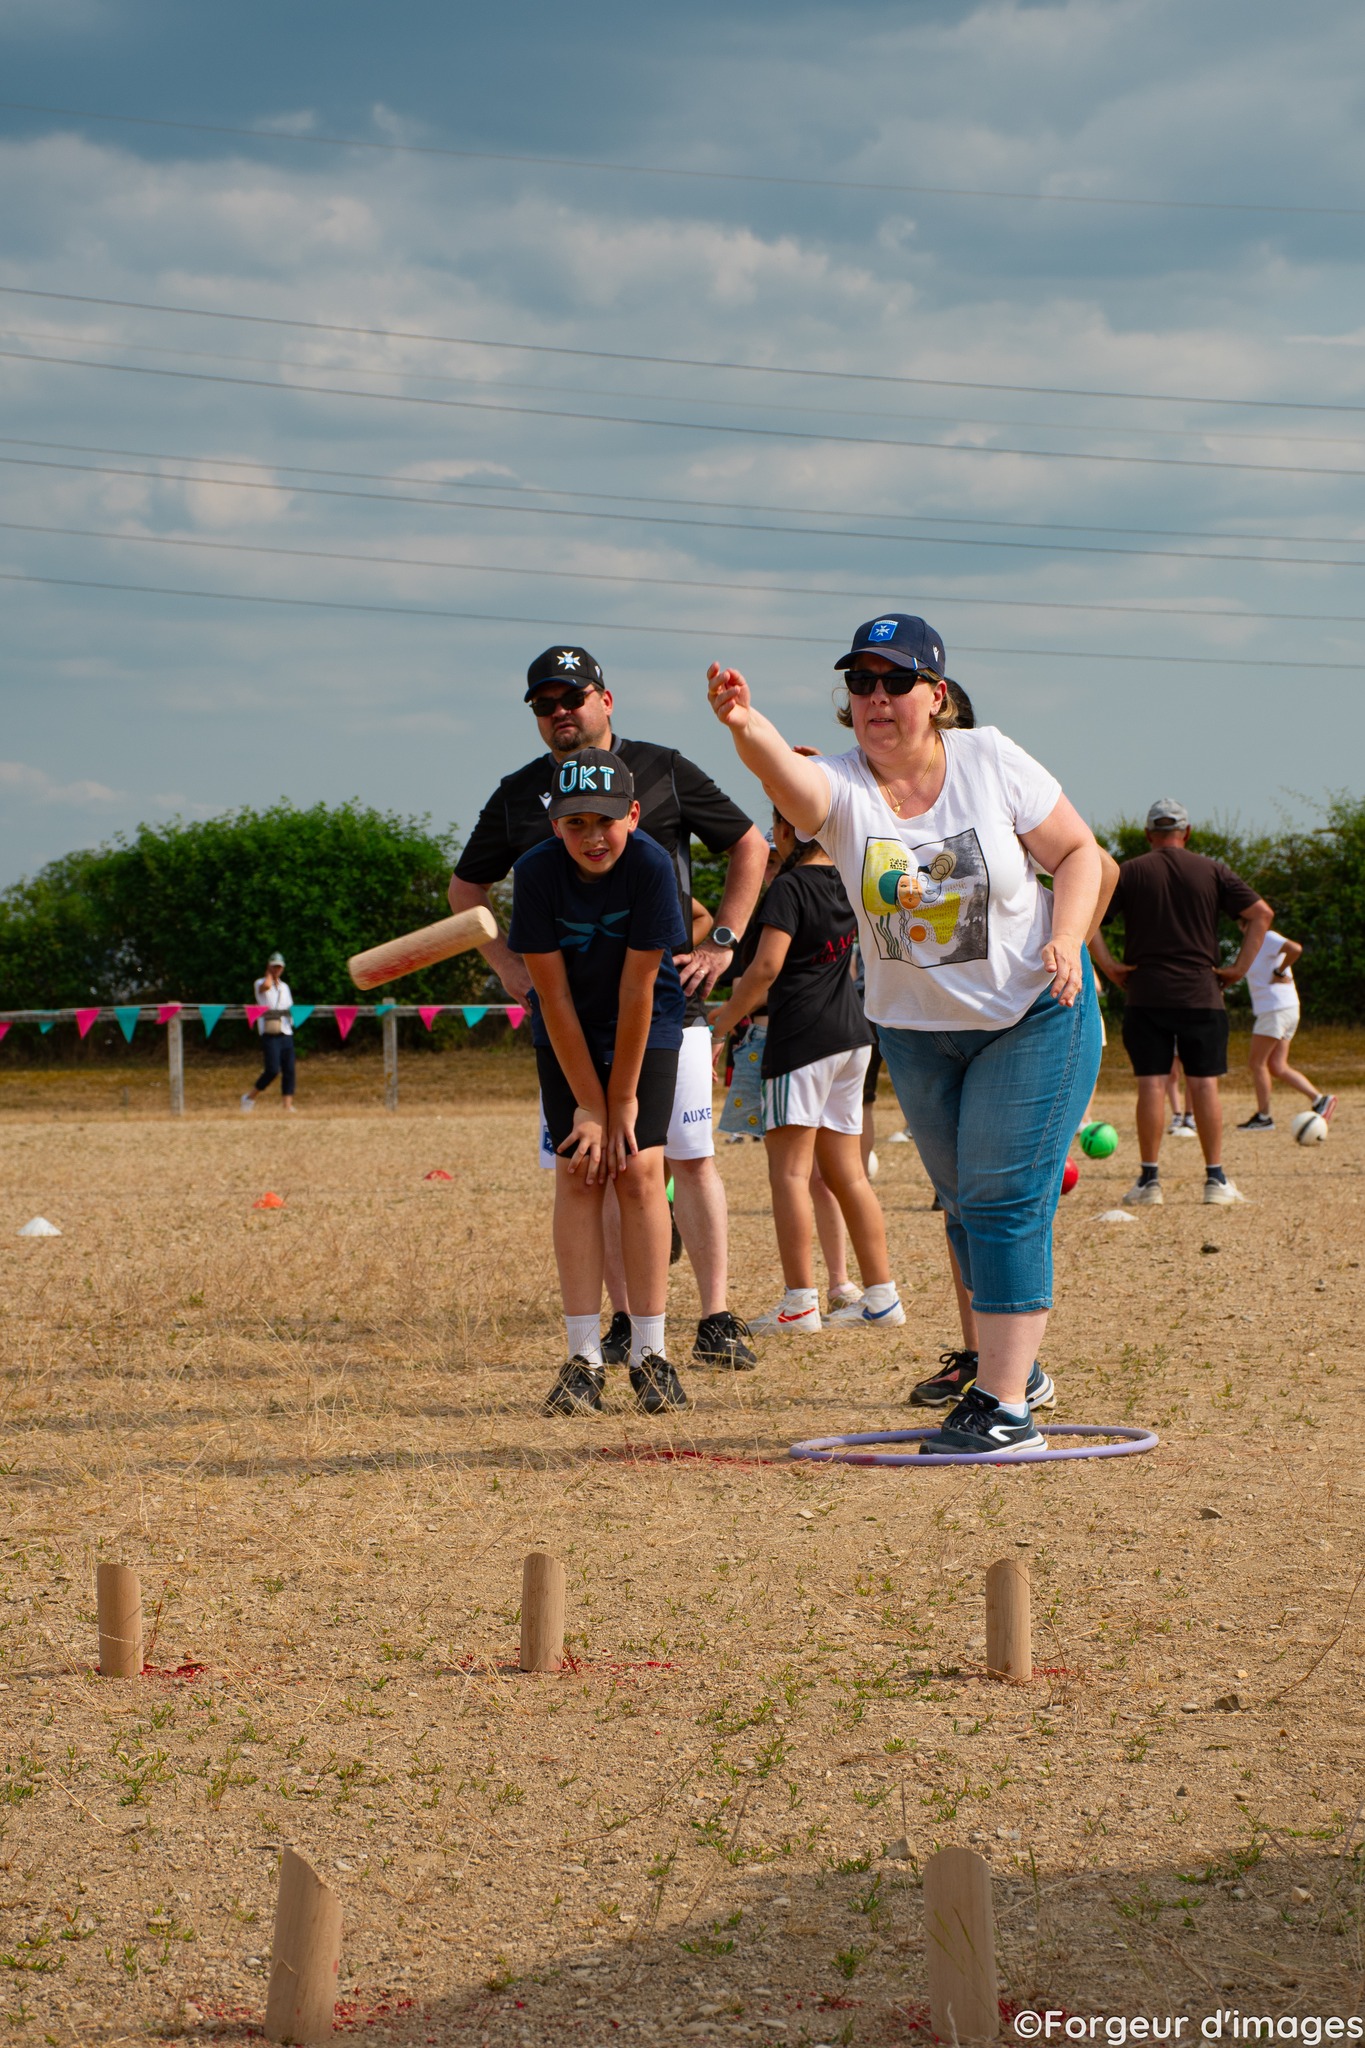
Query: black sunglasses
568, 700
862, 682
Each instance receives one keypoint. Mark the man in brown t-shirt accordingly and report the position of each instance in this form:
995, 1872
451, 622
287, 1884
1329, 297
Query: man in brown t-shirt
1170, 900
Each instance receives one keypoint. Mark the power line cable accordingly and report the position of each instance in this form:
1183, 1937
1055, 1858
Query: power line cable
565, 626
490, 484
546, 412
1157, 610
687, 525
573, 163
603, 355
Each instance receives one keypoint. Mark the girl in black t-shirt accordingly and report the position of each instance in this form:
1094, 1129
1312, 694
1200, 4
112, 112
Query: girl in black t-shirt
814, 1061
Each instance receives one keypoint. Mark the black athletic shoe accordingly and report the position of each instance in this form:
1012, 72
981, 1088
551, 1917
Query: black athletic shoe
577, 1391
977, 1426
944, 1389
675, 1249
616, 1343
657, 1386
1258, 1123
723, 1340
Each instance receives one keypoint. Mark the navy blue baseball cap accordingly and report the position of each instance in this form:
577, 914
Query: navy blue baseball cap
593, 782
907, 641
564, 665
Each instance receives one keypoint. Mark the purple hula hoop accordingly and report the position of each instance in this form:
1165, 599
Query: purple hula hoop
838, 1450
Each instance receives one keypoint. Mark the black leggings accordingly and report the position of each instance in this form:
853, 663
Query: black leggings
279, 1059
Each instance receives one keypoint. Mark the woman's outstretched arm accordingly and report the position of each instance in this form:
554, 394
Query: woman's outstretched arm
798, 787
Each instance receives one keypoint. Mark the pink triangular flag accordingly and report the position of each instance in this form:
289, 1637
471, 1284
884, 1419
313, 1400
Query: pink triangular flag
515, 1014
345, 1019
166, 1012
3, 1029
255, 1010
429, 1012
84, 1019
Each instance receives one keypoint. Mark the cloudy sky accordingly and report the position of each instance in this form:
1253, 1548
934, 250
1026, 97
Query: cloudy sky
1045, 321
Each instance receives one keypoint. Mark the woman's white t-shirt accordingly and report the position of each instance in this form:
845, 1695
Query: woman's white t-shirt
951, 915
275, 995
1266, 993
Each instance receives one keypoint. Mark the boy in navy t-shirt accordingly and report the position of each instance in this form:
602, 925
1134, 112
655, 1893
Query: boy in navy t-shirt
595, 916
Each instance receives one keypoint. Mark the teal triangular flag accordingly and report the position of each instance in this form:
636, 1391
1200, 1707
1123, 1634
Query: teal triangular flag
45, 1028
474, 1016
210, 1013
382, 1009
127, 1014
301, 1012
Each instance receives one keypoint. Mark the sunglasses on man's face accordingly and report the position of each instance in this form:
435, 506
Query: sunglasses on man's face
567, 700
862, 682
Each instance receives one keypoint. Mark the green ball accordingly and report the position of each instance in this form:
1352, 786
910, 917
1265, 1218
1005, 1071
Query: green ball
1098, 1140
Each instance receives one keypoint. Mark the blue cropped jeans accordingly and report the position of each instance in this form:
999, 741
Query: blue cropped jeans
993, 1113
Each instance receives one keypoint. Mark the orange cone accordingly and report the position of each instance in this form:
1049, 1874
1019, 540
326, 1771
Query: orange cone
269, 1200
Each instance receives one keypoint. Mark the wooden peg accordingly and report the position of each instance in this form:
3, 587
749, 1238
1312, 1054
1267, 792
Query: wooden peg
118, 1605
1009, 1628
959, 1931
300, 1999
542, 1612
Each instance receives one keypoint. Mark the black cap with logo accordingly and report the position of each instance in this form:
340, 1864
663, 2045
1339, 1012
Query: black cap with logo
563, 665
592, 782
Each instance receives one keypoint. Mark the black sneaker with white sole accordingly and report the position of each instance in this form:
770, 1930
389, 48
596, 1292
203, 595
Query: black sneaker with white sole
978, 1427
1040, 1391
1258, 1123
723, 1340
577, 1391
657, 1386
616, 1343
944, 1389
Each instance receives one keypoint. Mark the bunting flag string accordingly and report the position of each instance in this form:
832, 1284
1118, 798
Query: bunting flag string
209, 1014
382, 1009
473, 1016
346, 1018
166, 1011
301, 1012
429, 1012
84, 1020
128, 1014
255, 1011
46, 1027
515, 1015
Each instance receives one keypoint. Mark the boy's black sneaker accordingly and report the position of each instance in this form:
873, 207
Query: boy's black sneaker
616, 1343
978, 1427
675, 1249
944, 1389
577, 1391
657, 1386
1258, 1123
723, 1340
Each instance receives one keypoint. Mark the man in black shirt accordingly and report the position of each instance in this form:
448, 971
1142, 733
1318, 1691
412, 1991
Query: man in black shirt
567, 693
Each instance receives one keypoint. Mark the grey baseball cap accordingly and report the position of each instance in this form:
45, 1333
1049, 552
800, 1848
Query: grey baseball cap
1168, 813
275, 960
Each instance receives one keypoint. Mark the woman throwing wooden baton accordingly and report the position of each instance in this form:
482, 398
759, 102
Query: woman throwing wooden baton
977, 979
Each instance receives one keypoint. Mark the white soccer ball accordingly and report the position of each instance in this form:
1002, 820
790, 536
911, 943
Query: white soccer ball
1309, 1128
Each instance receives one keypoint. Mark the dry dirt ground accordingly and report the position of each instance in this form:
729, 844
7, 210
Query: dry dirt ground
315, 1433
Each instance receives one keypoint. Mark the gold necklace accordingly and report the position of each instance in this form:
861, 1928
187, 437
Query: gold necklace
885, 787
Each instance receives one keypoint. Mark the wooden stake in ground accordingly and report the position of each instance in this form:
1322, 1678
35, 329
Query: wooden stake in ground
959, 1934
118, 1606
301, 1997
1009, 1628
542, 1612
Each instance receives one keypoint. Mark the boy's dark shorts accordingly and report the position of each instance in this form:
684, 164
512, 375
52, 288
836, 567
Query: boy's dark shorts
1198, 1038
655, 1090
874, 1067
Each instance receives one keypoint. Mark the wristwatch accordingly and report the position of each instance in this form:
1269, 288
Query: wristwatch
722, 935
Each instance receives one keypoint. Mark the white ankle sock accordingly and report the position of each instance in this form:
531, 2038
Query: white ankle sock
881, 1295
646, 1334
585, 1338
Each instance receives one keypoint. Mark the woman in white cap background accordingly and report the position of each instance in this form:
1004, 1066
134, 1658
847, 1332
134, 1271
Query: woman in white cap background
276, 1029
976, 976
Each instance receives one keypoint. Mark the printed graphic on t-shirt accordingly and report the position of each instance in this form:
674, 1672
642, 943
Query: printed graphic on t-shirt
928, 905
578, 937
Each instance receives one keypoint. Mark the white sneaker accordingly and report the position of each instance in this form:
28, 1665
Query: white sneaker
248, 1104
1144, 1194
873, 1165
843, 1297
1180, 1128
1222, 1194
787, 1320
899, 1138
889, 1318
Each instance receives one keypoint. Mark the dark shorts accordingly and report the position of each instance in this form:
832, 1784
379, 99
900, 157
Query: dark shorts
1198, 1038
874, 1067
658, 1080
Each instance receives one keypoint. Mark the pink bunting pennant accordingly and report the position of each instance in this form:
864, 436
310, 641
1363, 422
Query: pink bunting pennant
515, 1015
429, 1012
166, 1012
345, 1019
84, 1019
3, 1029
255, 1010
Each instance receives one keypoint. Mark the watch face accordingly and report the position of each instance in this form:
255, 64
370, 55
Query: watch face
723, 936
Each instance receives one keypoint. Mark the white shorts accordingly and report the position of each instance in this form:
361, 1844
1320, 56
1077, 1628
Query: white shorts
690, 1134
1276, 1023
827, 1095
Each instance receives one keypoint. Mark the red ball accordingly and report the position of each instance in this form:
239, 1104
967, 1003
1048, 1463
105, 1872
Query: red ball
1071, 1173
